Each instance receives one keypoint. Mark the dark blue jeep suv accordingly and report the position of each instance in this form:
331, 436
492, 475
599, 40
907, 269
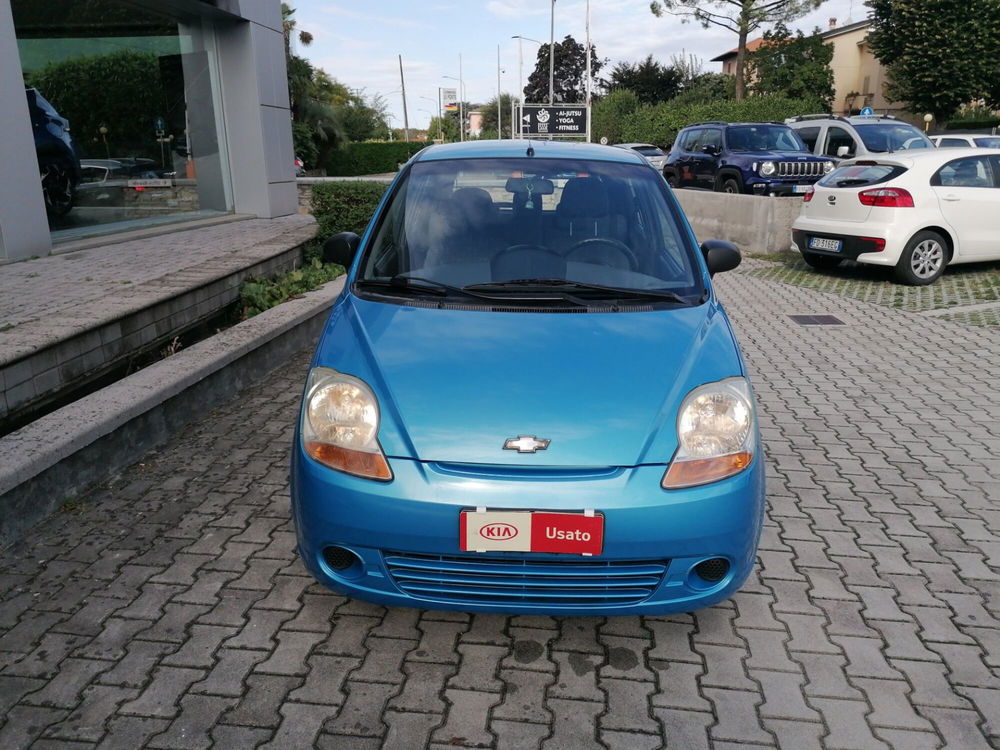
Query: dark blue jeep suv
762, 158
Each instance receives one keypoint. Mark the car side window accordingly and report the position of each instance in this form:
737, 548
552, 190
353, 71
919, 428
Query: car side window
837, 137
810, 136
952, 143
691, 140
970, 171
711, 137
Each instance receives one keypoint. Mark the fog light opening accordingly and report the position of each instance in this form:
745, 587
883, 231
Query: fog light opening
713, 570
341, 560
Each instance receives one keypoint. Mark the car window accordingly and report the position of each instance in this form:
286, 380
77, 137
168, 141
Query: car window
971, 171
690, 140
952, 143
648, 150
763, 138
481, 221
882, 137
837, 137
861, 175
988, 142
711, 137
809, 136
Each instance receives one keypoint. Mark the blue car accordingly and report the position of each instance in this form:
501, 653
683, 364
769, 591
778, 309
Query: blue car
528, 397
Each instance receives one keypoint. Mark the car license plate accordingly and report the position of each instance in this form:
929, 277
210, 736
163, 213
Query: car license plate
822, 243
531, 531
801, 188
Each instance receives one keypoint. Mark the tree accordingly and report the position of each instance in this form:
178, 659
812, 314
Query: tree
489, 111
569, 75
612, 112
797, 66
651, 82
742, 17
707, 88
939, 54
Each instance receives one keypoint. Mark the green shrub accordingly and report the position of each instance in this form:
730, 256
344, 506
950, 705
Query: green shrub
345, 206
611, 113
658, 123
371, 157
258, 295
977, 124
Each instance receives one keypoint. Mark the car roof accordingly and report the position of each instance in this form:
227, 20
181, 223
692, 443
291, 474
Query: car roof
541, 149
634, 145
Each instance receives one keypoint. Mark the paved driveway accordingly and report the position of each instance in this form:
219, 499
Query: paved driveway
168, 609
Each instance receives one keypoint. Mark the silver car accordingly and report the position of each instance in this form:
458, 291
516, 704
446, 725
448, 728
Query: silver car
858, 136
652, 154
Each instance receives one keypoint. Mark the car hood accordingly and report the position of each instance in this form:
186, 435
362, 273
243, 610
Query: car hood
454, 385
781, 156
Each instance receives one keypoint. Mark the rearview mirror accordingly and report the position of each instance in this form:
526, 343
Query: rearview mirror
720, 256
341, 248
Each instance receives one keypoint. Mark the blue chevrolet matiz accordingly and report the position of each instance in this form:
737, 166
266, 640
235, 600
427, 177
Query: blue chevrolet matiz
528, 397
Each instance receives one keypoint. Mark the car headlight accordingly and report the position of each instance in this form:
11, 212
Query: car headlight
340, 419
827, 167
716, 434
767, 168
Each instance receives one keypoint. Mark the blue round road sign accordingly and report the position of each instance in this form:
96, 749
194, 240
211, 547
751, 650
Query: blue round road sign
867, 112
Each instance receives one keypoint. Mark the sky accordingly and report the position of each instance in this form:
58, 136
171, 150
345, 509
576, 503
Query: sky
358, 43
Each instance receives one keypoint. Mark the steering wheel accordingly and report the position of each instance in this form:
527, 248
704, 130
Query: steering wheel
593, 242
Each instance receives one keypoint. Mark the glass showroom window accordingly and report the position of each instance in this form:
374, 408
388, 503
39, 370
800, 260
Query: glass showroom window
126, 114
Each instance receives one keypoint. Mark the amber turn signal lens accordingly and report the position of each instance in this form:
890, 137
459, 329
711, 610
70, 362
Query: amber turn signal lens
704, 470
367, 465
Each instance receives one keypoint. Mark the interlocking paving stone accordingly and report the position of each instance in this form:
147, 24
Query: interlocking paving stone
184, 618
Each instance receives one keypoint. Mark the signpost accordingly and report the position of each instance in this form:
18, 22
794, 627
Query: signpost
867, 112
557, 121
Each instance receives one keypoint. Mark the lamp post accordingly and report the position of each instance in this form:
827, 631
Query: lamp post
928, 118
552, 54
439, 115
520, 63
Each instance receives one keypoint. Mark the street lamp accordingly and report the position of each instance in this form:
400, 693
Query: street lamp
520, 63
552, 54
928, 118
440, 115
461, 100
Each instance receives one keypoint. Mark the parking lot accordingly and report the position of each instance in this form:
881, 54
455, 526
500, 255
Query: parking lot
168, 609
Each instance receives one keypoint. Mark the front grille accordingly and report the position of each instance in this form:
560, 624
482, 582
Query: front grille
517, 580
800, 168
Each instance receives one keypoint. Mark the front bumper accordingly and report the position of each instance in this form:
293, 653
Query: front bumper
414, 520
795, 188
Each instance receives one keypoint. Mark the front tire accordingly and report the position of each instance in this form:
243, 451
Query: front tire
729, 184
671, 179
821, 262
923, 260
58, 190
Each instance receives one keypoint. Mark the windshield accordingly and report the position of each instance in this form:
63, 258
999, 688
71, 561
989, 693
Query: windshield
764, 138
473, 222
896, 137
649, 150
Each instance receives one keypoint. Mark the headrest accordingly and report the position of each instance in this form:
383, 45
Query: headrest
583, 196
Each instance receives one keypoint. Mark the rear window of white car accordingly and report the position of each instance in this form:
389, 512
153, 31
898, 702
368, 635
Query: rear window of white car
861, 175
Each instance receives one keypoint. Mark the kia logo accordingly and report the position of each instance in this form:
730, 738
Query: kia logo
498, 531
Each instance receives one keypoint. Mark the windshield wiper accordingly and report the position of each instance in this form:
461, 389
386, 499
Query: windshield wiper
405, 282
522, 284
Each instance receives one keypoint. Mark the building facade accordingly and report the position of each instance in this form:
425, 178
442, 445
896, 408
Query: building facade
858, 77
123, 114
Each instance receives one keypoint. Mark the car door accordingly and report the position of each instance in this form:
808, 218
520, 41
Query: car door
835, 138
969, 197
685, 164
705, 164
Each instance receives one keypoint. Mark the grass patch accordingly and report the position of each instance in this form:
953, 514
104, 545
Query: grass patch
258, 295
966, 284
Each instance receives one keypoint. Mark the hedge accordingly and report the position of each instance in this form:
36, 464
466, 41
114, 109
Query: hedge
370, 157
344, 206
659, 123
985, 123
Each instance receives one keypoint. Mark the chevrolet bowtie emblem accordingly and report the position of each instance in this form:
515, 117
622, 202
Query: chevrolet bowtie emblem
525, 444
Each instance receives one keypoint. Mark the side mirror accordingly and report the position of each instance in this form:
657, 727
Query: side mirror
720, 256
843, 151
341, 248
710, 149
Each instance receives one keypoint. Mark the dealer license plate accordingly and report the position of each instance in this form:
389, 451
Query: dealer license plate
822, 243
531, 531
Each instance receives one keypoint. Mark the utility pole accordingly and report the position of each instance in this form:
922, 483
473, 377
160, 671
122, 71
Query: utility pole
588, 71
461, 101
406, 117
552, 54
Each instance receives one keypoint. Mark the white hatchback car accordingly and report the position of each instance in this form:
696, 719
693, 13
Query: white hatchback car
916, 211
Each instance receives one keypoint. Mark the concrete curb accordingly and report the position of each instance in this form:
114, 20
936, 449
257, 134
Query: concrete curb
56, 457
